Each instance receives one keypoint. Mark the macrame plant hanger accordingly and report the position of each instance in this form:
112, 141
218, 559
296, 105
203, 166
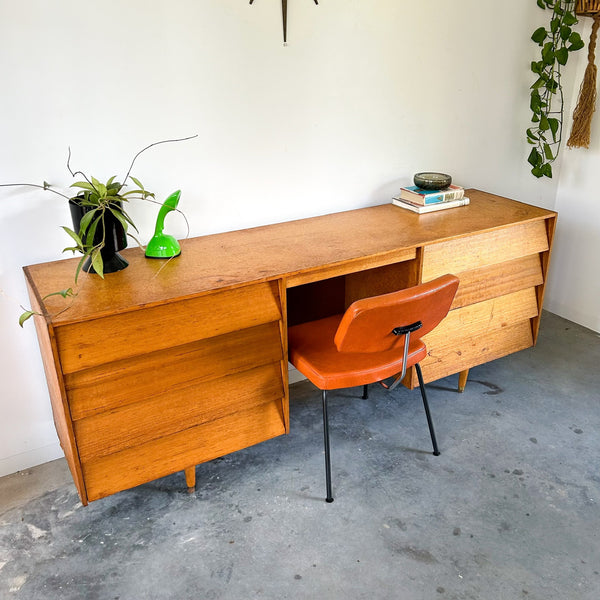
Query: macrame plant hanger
586, 104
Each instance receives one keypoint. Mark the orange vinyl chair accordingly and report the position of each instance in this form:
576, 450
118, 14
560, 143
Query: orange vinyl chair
376, 338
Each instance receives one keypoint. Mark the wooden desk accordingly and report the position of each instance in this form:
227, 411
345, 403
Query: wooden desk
169, 364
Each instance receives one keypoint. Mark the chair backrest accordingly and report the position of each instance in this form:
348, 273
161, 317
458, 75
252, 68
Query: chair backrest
367, 324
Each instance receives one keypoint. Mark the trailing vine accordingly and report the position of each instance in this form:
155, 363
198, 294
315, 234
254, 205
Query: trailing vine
546, 100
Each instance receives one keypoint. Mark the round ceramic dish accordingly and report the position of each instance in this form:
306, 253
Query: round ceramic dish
432, 181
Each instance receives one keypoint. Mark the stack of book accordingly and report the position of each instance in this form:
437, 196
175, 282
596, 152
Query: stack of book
423, 201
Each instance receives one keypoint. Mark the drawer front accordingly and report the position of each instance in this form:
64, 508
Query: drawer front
181, 409
479, 333
140, 464
497, 280
157, 375
481, 250
470, 352
145, 330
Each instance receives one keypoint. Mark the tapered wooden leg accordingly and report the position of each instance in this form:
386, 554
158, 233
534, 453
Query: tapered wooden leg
462, 380
190, 478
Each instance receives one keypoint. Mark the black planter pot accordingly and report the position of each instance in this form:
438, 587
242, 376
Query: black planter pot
115, 239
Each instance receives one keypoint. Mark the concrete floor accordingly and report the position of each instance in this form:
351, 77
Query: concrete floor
510, 510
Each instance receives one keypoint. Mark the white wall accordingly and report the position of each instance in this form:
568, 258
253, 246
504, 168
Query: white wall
574, 283
364, 95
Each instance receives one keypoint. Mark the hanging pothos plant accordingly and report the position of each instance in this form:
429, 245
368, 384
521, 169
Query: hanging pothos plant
556, 43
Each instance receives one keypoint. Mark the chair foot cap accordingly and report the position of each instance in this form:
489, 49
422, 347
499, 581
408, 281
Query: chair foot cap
330, 500
437, 453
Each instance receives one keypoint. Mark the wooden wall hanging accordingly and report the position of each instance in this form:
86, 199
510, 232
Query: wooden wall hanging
586, 103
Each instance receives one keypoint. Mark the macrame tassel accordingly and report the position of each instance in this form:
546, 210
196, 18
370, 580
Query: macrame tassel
586, 104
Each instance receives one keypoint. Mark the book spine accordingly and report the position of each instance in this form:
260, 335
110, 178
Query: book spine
425, 199
421, 209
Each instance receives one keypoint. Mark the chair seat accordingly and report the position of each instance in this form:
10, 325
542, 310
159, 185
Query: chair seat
314, 354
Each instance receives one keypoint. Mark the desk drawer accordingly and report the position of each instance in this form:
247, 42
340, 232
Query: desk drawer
484, 249
140, 464
479, 333
156, 375
167, 414
145, 330
497, 302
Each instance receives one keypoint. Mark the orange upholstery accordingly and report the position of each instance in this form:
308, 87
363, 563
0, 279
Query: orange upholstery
358, 347
374, 339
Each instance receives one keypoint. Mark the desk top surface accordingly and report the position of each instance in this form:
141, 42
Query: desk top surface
237, 258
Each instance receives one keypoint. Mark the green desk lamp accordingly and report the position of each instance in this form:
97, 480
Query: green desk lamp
163, 245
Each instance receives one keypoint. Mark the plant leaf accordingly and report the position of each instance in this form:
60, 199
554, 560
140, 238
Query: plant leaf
576, 42
64, 293
118, 214
554, 125
84, 185
101, 189
570, 19
537, 66
97, 262
91, 232
137, 182
536, 101
562, 55
25, 315
86, 220
537, 171
548, 53
535, 158
552, 86
80, 265
73, 235
539, 35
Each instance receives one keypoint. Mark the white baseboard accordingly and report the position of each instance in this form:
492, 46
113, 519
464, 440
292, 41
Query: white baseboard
31, 458
294, 375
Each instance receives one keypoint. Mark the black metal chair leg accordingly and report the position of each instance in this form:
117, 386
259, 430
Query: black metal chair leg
436, 452
365, 395
327, 453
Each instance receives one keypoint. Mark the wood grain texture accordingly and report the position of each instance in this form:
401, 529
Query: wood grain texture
58, 396
545, 259
462, 380
190, 478
474, 334
349, 267
283, 362
382, 280
229, 260
478, 320
158, 374
98, 341
140, 464
498, 279
501, 245
469, 352
163, 415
